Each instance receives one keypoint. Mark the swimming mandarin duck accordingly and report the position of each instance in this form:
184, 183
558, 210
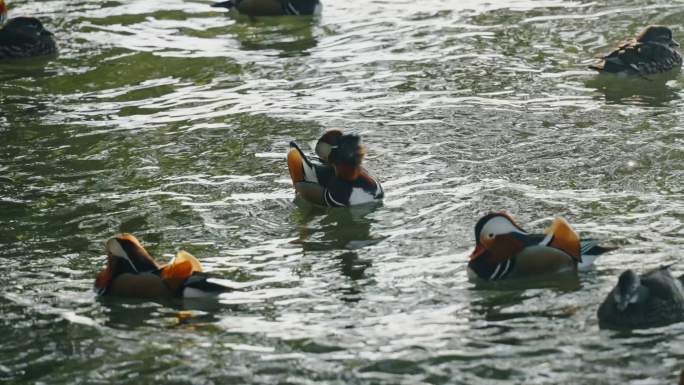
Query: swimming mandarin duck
132, 272
504, 250
337, 179
653, 299
24, 37
652, 51
273, 7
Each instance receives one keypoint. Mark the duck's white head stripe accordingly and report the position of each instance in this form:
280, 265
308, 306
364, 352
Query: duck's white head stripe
499, 225
323, 150
116, 250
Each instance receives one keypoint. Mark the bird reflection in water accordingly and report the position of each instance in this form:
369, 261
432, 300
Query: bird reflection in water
171, 313
496, 301
652, 90
339, 232
289, 36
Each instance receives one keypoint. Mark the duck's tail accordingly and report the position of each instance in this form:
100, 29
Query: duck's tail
201, 285
590, 250
301, 169
598, 67
224, 4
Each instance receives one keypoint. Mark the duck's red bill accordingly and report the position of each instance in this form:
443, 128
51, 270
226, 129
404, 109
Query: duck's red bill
479, 250
102, 280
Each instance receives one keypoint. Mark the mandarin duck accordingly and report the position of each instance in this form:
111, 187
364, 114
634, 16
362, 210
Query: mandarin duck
22, 37
504, 250
273, 7
652, 51
337, 180
653, 299
131, 272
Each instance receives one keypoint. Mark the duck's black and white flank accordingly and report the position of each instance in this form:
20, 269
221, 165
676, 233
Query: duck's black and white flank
22, 37
650, 300
273, 7
652, 51
504, 250
132, 273
337, 179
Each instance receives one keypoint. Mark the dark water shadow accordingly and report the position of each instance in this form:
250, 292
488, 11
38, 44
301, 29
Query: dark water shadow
343, 231
489, 299
651, 90
290, 35
131, 312
323, 229
13, 69
567, 281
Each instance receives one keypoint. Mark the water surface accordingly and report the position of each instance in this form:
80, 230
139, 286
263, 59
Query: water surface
170, 120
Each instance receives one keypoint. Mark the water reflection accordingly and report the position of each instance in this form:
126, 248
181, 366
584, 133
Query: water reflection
652, 90
499, 301
323, 230
126, 313
151, 123
352, 265
329, 229
290, 36
25, 69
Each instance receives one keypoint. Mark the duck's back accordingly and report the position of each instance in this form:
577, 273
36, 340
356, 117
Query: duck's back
664, 304
143, 285
18, 40
640, 58
661, 284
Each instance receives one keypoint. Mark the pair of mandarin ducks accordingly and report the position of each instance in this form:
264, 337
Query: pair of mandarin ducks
503, 251
131, 272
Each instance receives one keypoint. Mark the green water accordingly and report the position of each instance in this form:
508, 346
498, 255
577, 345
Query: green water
170, 120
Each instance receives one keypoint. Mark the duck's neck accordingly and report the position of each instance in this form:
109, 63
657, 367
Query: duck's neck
348, 173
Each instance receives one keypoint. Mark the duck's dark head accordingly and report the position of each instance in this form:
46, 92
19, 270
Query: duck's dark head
628, 290
326, 142
3, 12
489, 226
347, 156
26, 28
657, 34
125, 254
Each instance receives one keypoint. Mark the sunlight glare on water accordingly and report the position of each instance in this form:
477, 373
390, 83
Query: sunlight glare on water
171, 119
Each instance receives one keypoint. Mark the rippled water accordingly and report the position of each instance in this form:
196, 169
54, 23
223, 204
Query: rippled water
170, 120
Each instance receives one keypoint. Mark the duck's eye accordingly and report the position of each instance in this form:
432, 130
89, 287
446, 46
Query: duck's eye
491, 235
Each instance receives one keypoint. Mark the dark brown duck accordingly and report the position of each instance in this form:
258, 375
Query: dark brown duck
653, 299
22, 37
652, 51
